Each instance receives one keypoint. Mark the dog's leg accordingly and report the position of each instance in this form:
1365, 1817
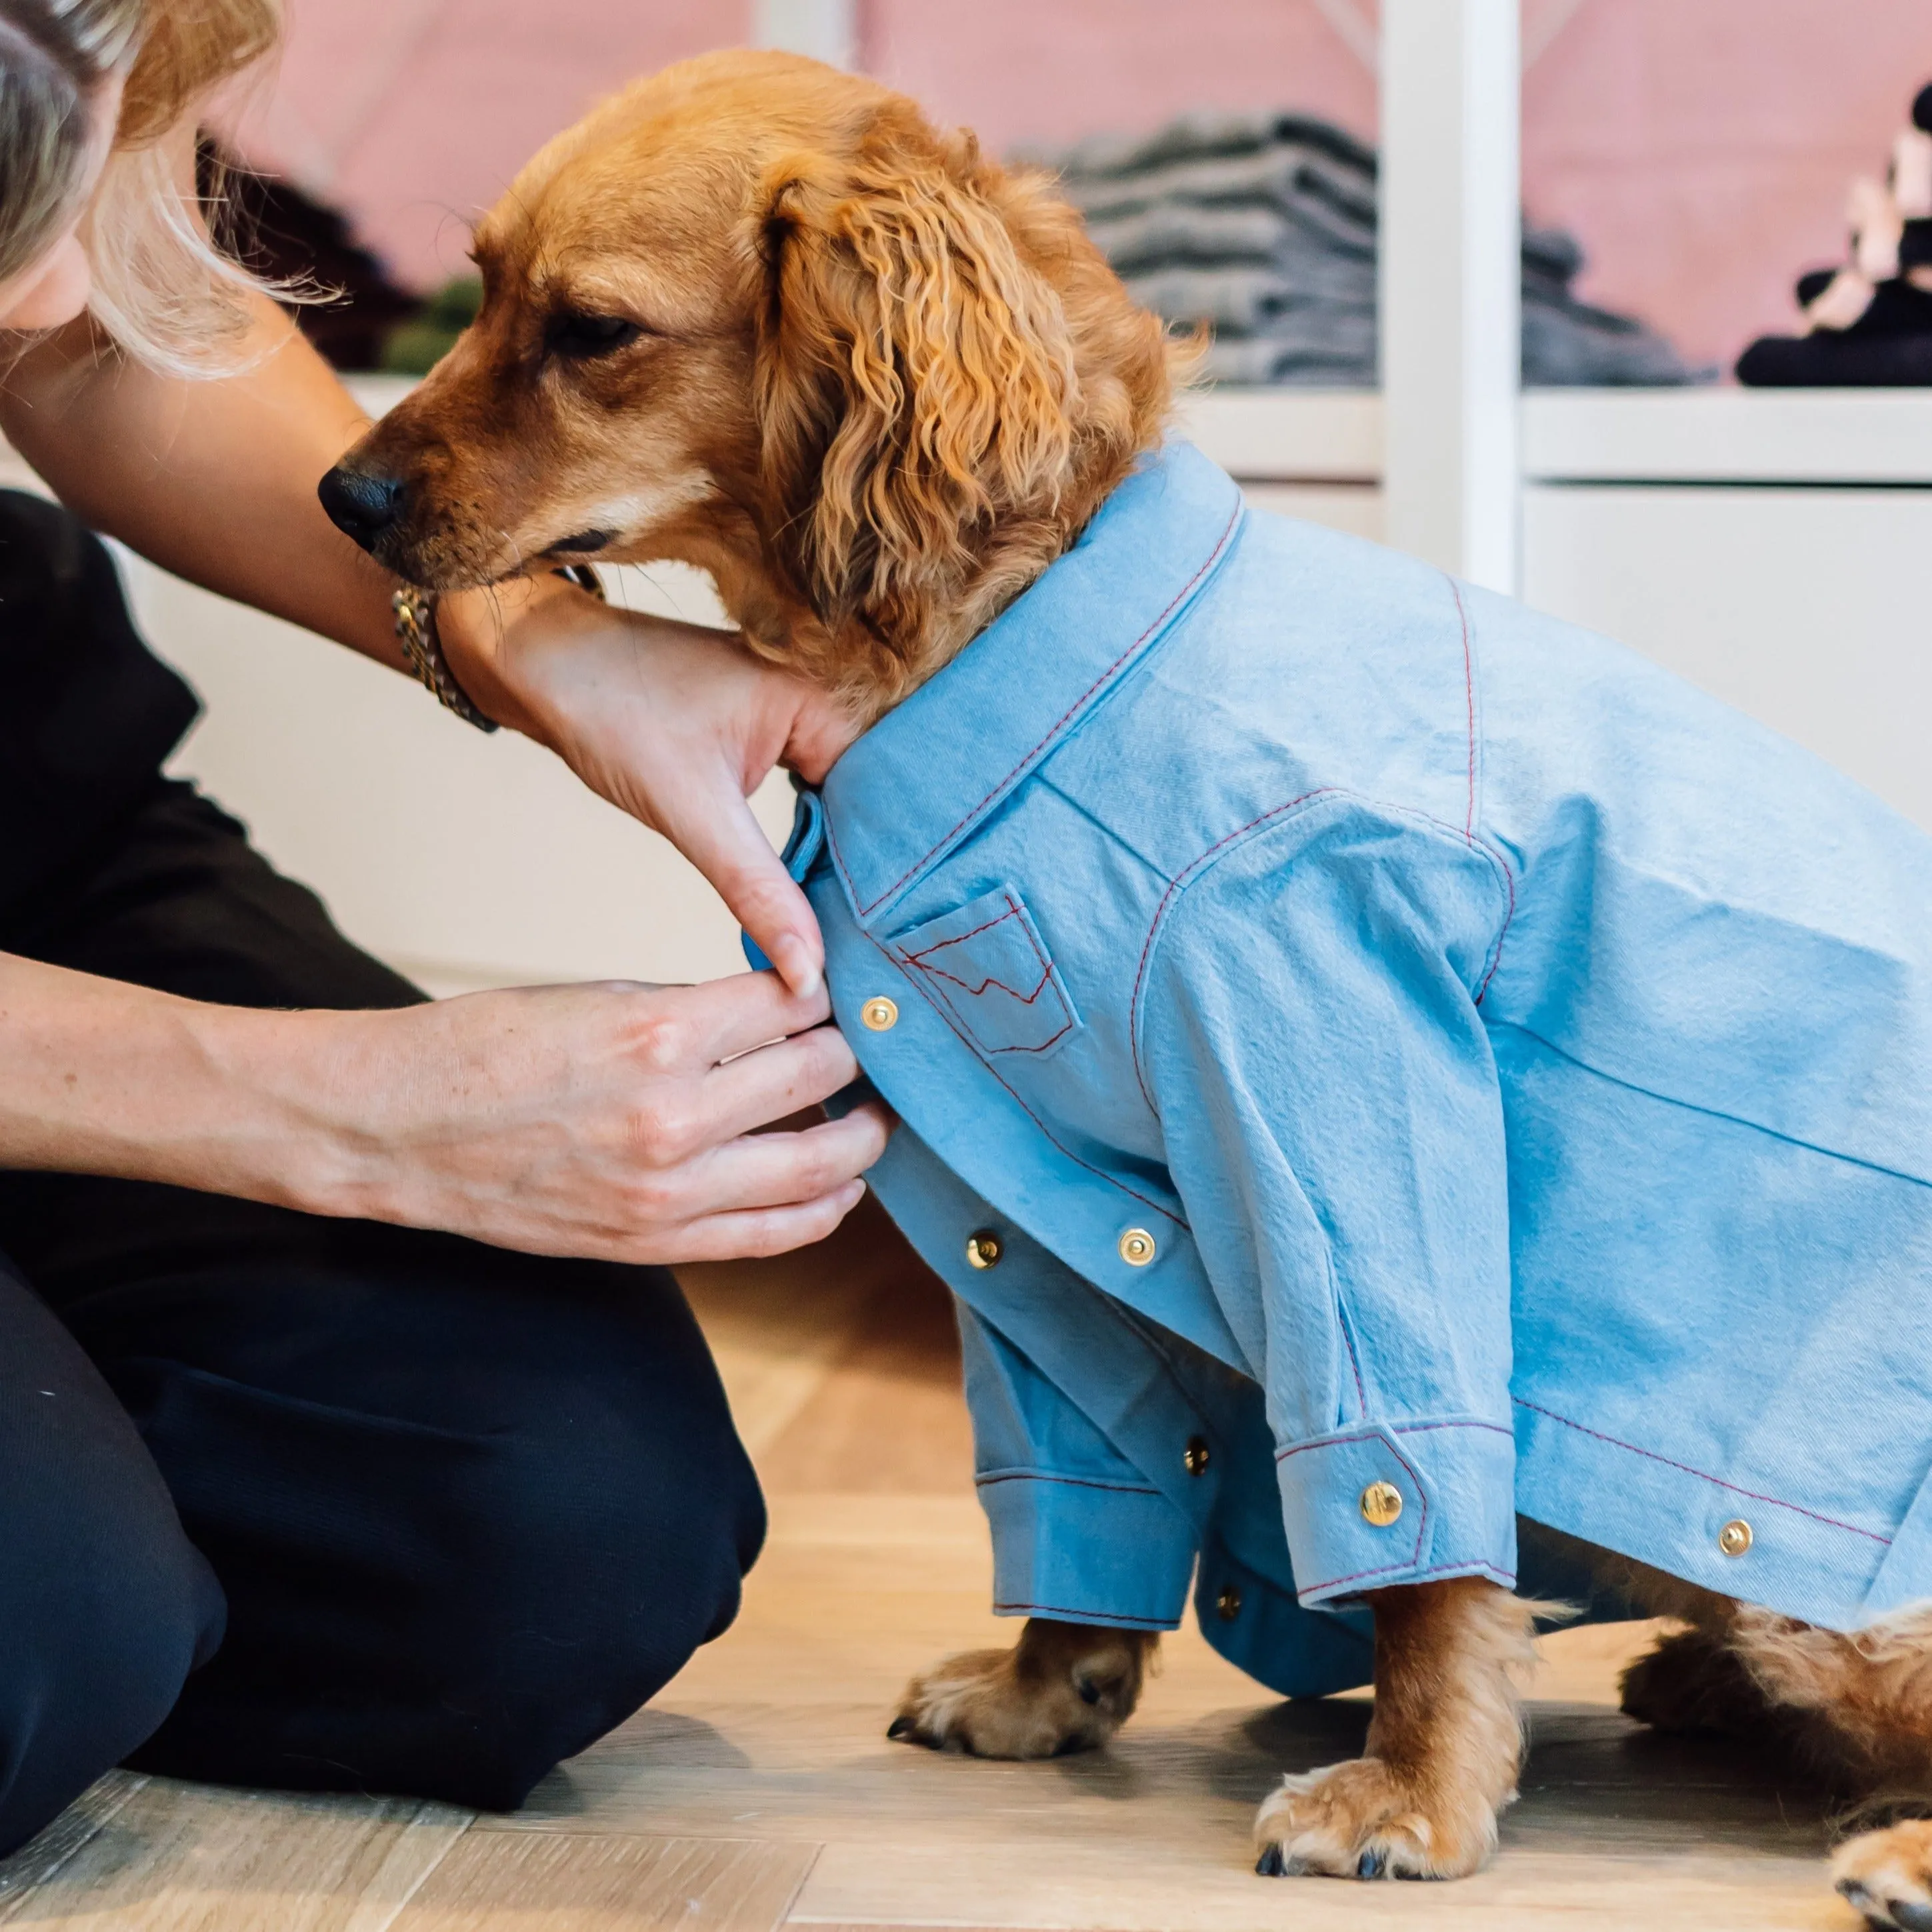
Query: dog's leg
1062, 1687
1451, 1660
1857, 1707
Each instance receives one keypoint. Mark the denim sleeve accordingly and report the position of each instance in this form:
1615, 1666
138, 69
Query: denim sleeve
1085, 1441
1079, 1533
1310, 1034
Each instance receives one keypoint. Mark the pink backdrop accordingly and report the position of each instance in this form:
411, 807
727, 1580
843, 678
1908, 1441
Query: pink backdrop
1700, 148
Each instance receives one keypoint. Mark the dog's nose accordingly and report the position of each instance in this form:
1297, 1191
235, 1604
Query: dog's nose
362, 506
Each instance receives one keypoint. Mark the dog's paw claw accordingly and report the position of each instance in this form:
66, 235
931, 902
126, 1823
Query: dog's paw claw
1365, 1819
1887, 1875
1066, 1689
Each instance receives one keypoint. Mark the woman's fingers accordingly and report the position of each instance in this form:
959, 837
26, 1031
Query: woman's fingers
599, 1119
756, 1089
719, 1019
767, 1231
714, 827
782, 1169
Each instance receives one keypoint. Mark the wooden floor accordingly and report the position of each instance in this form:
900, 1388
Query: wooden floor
759, 1790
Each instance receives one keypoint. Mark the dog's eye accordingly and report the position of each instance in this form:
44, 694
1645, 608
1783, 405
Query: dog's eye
581, 337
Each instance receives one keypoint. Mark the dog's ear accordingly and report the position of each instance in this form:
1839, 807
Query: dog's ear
915, 375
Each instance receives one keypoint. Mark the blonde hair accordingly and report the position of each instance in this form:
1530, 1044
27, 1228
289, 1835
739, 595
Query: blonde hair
163, 289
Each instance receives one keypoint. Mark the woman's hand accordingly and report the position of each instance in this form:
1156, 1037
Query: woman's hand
611, 1120
675, 723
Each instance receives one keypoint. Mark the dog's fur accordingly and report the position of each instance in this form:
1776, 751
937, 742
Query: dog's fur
874, 384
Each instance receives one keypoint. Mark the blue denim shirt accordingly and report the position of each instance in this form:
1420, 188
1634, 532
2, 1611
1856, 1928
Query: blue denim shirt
1409, 1062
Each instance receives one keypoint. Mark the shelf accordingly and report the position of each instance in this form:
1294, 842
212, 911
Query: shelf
1741, 437
1837, 436
1288, 436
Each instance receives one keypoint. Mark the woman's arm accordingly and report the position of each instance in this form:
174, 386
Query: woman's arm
608, 1120
213, 480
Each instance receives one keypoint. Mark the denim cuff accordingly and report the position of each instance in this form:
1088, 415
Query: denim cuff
1395, 1502
1085, 1550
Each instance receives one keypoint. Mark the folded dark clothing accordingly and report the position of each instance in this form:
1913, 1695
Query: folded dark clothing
1263, 227
1888, 347
1157, 237
1831, 361
1291, 179
1243, 299
1331, 357
1568, 344
1199, 136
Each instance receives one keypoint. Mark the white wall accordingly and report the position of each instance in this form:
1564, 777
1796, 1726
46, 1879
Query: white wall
465, 860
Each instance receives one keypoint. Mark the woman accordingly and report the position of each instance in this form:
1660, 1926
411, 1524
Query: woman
299, 1486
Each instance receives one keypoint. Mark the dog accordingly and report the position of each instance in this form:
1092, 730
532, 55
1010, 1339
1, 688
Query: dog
761, 317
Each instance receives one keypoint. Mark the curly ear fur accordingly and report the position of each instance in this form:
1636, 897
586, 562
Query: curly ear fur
945, 391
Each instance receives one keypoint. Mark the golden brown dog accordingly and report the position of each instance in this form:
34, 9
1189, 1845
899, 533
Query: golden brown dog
758, 316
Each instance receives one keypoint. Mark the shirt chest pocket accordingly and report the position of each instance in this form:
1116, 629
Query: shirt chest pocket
988, 970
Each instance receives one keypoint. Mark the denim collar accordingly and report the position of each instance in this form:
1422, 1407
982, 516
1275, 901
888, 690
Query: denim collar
919, 780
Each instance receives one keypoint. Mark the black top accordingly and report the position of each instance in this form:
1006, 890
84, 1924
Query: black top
87, 713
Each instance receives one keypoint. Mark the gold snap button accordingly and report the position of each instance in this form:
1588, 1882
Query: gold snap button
1381, 1503
1228, 1604
983, 1250
1735, 1538
1137, 1247
880, 1014
1194, 1458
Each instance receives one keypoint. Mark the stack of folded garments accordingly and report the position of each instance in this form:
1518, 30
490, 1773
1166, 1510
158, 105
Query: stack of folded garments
1263, 227
1868, 323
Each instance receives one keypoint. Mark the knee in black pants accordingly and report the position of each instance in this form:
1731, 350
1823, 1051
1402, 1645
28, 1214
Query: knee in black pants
604, 1575
481, 1586
105, 1607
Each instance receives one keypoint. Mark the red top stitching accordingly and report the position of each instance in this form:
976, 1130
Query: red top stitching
974, 992
939, 1007
1181, 878
1013, 911
1703, 1475
940, 972
1509, 919
1060, 723
1421, 1497
1469, 698
1504, 1577
1153, 925
959, 939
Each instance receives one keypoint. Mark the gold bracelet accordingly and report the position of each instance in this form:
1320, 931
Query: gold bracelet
415, 630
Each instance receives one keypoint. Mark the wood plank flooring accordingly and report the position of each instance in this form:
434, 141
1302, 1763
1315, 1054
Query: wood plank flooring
759, 1790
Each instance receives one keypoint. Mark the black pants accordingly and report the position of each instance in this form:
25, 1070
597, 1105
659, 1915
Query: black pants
316, 1504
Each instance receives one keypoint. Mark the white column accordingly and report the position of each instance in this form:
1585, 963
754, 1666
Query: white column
827, 30
1451, 283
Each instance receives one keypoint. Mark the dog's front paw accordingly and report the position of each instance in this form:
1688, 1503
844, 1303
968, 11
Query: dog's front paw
1888, 1876
1064, 1688
1368, 1819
